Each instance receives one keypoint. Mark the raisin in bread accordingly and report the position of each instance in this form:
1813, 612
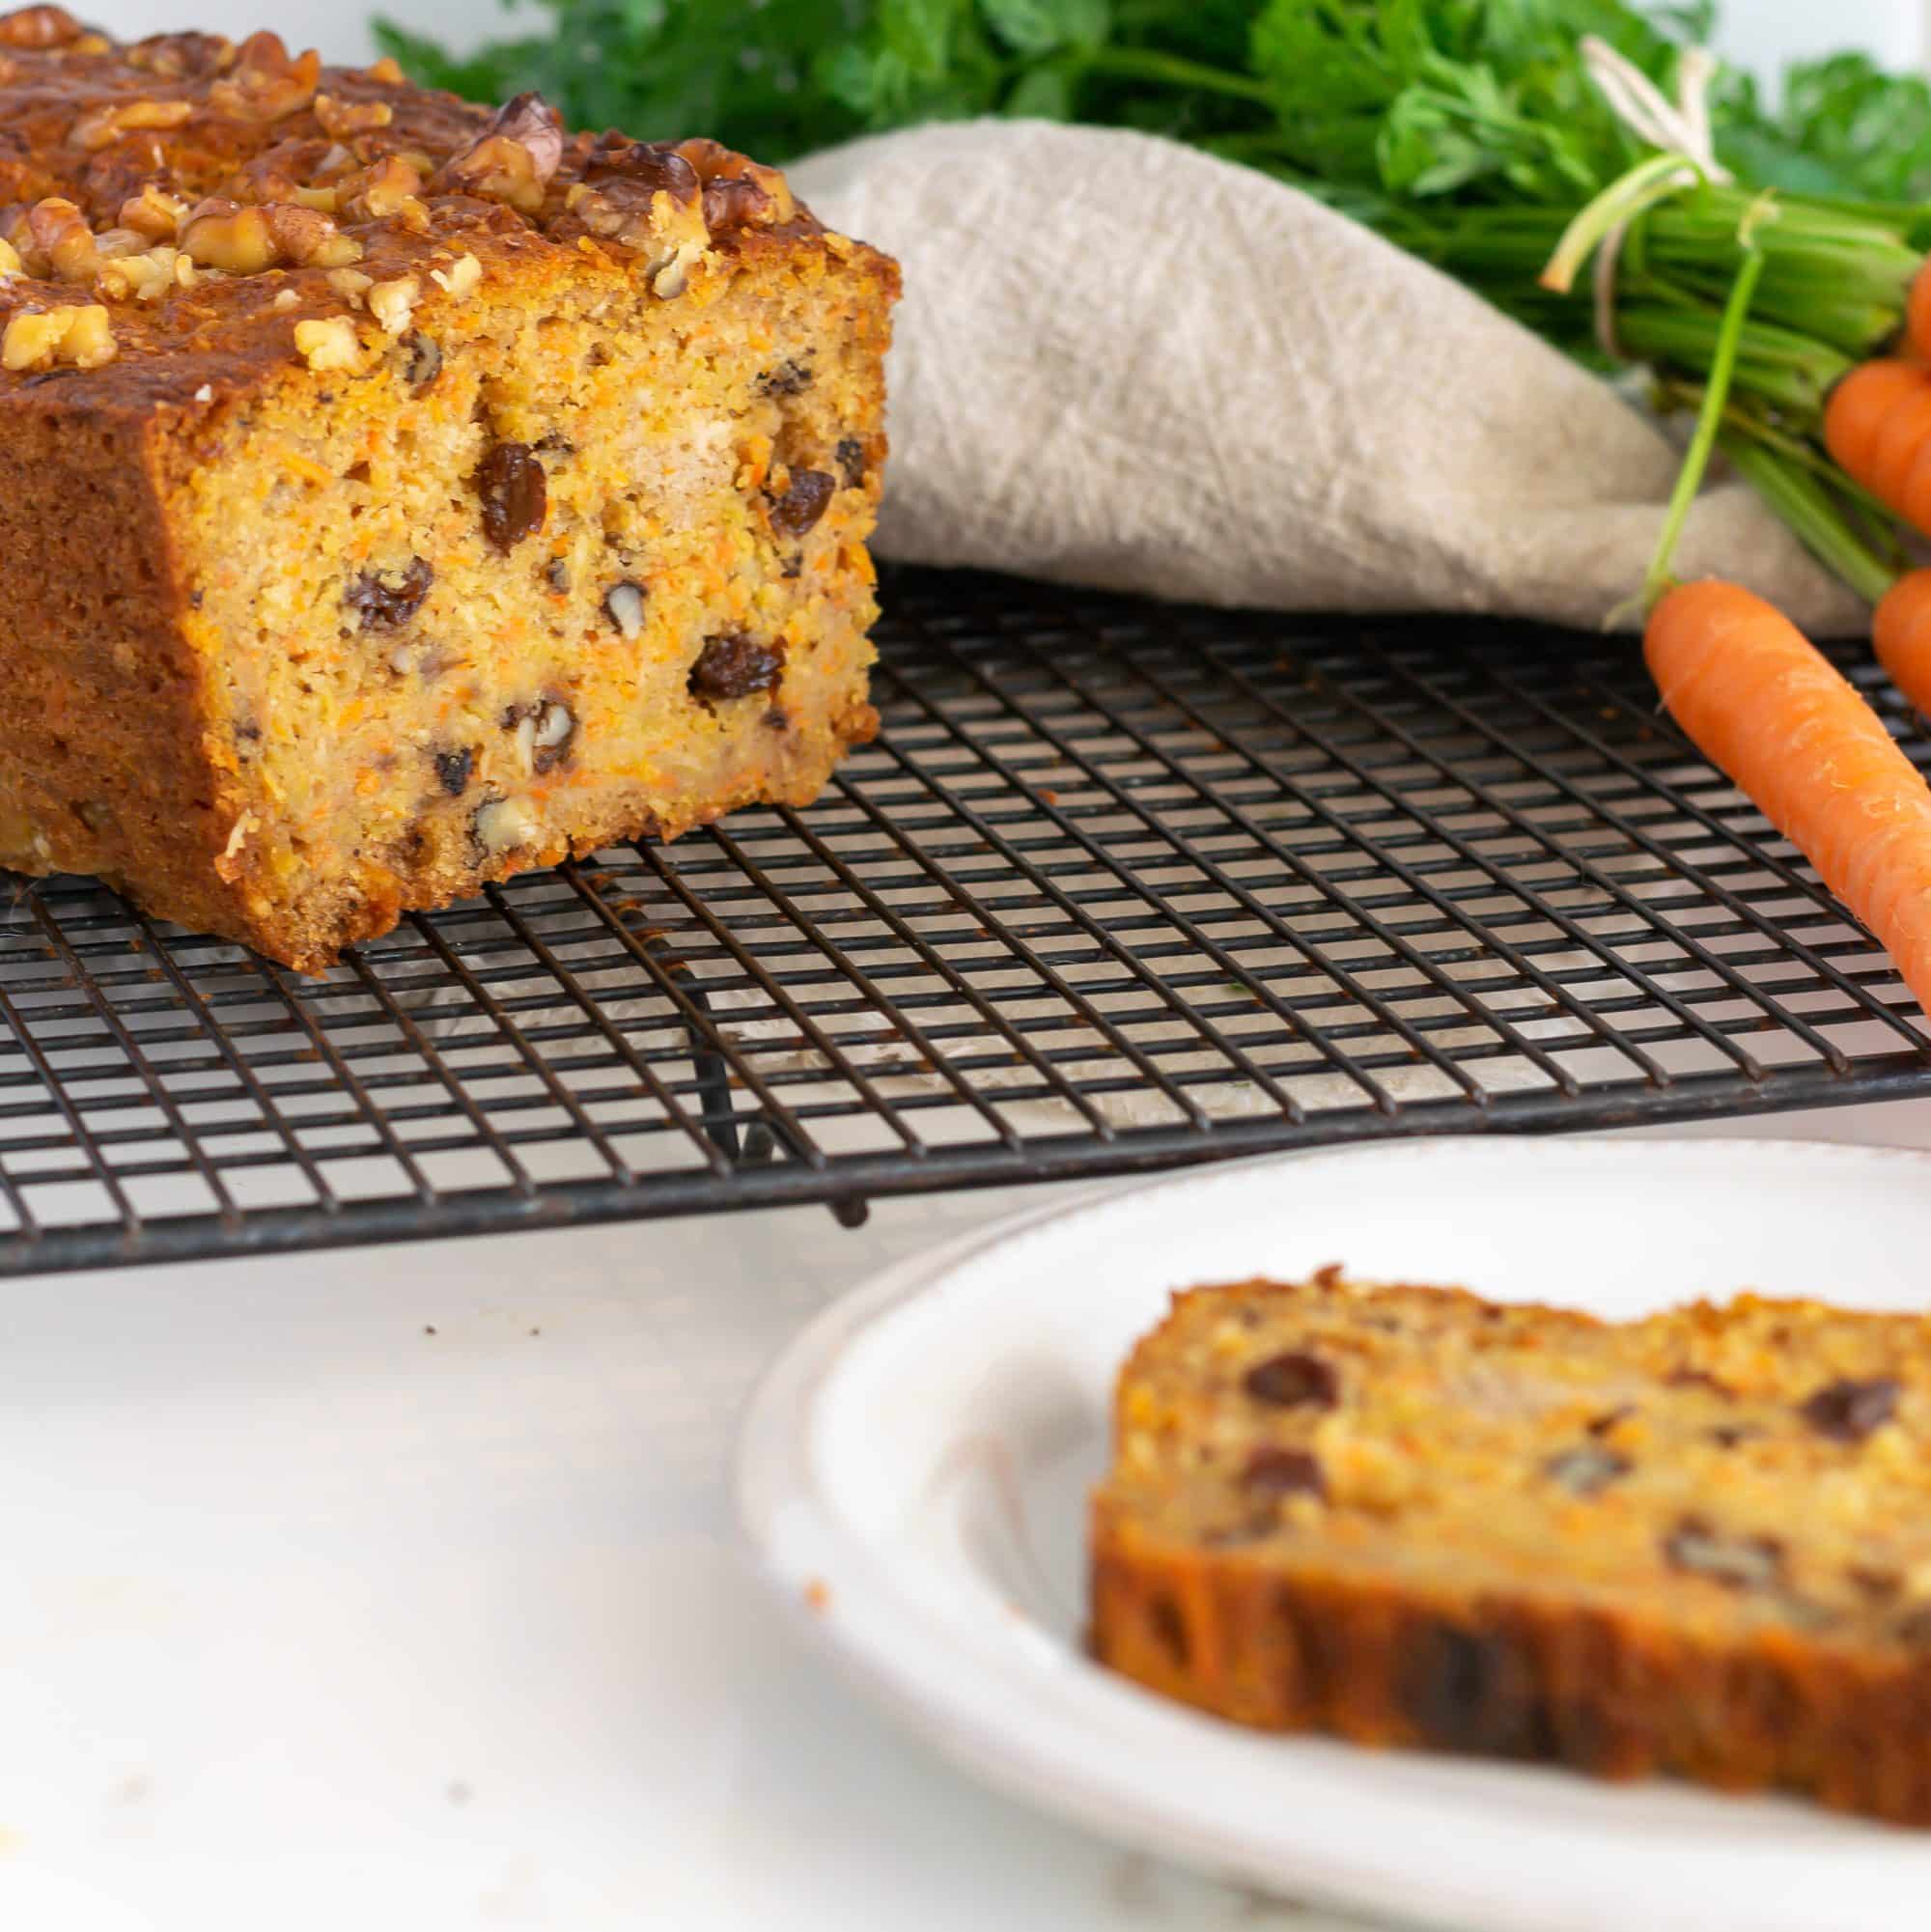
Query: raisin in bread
1699, 1544
402, 495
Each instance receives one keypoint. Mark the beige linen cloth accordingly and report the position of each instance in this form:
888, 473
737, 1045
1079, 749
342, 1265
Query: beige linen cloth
1123, 362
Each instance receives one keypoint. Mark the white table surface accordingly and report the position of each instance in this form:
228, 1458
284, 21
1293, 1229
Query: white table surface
398, 1587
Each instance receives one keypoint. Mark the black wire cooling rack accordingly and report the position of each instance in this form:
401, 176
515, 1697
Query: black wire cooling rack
1122, 887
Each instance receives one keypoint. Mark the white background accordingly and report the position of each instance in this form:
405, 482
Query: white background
1760, 31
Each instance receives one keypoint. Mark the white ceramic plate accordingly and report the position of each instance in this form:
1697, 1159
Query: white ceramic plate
913, 1469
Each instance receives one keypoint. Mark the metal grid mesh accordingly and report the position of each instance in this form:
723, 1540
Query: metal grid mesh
1122, 887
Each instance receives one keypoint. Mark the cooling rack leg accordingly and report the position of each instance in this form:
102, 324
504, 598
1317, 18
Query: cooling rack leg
760, 1144
707, 1065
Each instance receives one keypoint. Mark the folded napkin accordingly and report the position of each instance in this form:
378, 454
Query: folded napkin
1123, 362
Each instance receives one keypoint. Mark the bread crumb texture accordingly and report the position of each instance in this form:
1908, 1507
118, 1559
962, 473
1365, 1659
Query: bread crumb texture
1699, 1543
404, 495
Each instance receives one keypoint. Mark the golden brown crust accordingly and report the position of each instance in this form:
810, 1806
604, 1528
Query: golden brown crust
1333, 1619
1602, 1692
115, 715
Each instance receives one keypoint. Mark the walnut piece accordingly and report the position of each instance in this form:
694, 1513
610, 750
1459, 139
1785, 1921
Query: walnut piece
513, 160
459, 279
177, 56
341, 118
39, 338
328, 345
392, 303
382, 192
101, 127
57, 235
38, 27
309, 238
649, 199
141, 277
542, 732
153, 213
222, 234
265, 84
243, 239
737, 192
504, 823
624, 605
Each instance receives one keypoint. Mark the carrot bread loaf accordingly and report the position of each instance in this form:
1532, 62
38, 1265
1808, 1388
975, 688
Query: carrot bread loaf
399, 495
1699, 1544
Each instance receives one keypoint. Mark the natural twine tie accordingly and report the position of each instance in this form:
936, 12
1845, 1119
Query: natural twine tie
1676, 127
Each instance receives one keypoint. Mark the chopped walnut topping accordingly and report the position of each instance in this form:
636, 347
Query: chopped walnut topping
737, 192
286, 298
351, 284
265, 84
387, 70
31, 338
37, 339
328, 345
513, 160
461, 278
91, 44
9, 260
309, 238
222, 234
144, 277
383, 191
340, 118
154, 213
245, 240
392, 303
58, 234
649, 199
38, 27
101, 127
177, 56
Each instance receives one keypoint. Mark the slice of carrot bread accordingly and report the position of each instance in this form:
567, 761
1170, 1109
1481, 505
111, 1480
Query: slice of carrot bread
1699, 1544
402, 495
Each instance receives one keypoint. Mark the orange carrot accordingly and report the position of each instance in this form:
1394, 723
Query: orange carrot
1760, 702
1918, 315
1859, 405
1901, 630
1877, 426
